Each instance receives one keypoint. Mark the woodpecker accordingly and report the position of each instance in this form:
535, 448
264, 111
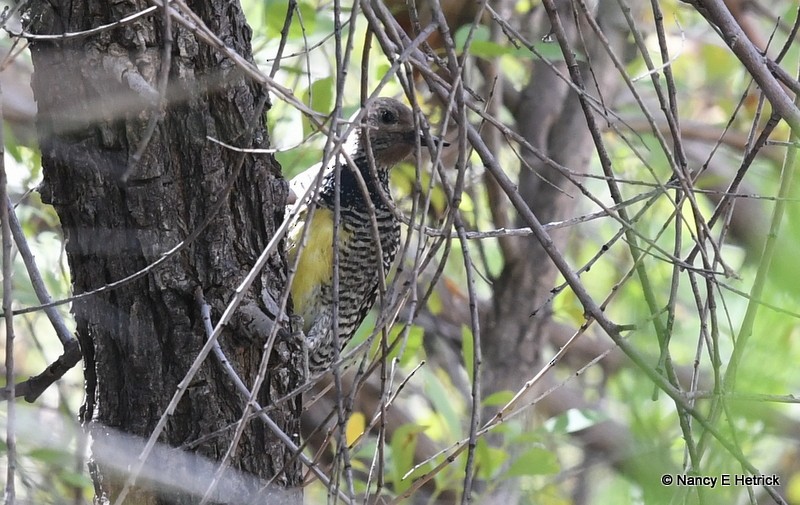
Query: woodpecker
388, 131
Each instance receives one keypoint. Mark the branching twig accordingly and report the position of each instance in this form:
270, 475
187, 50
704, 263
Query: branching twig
62, 332
33, 388
205, 312
8, 298
718, 14
86, 33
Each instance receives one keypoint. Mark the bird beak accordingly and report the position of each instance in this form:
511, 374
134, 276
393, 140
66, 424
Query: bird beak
437, 142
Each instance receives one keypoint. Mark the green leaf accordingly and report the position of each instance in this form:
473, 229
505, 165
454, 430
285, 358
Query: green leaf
76, 479
435, 303
488, 49
52, 456
572, 420
525, 438
321, 95
480, 33
403, 445
364, 331
320, 98
498, 399
295, 161
12, 146
466, 204
489, 460
552, 51
304, 18
438, 199
412, 345
480, 44
535, 461
307, 20
443, 398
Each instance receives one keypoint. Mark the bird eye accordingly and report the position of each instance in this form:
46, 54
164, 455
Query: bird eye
388, 117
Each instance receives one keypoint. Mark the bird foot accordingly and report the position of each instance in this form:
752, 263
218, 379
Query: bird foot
296, 323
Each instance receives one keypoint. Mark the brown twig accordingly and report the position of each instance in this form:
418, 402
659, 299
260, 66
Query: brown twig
33, 388
62, 332
205, 312
8, 298
86, 33
752, 59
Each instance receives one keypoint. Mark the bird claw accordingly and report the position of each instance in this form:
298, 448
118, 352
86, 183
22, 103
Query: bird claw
296, 324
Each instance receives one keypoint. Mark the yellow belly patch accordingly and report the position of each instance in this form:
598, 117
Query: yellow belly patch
315, 267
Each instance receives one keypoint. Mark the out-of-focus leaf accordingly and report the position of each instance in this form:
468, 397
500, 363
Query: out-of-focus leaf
442, 400
412, 345
320, 98
489, 460
75, 479
482, 46
534, 461
295, 161
52, 456
466, 204
403, 445
793, 489
573, 420
355, 426
499, 398
435, 303
304, 18
12, 146
552, 51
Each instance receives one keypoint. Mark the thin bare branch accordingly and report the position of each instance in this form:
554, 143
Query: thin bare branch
86, 33
8, 299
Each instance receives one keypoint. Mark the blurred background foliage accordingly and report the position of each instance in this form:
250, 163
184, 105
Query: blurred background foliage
535, 449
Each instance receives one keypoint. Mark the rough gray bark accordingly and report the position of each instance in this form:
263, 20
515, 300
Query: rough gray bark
139, 340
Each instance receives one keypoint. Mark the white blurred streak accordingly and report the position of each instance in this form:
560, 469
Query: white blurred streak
167, 469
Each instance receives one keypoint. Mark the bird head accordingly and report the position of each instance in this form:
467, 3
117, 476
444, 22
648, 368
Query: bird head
392, 134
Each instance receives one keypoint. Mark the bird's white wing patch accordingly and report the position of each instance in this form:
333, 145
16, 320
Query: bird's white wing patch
301, 182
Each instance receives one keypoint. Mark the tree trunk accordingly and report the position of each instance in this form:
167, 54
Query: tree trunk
138, 341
